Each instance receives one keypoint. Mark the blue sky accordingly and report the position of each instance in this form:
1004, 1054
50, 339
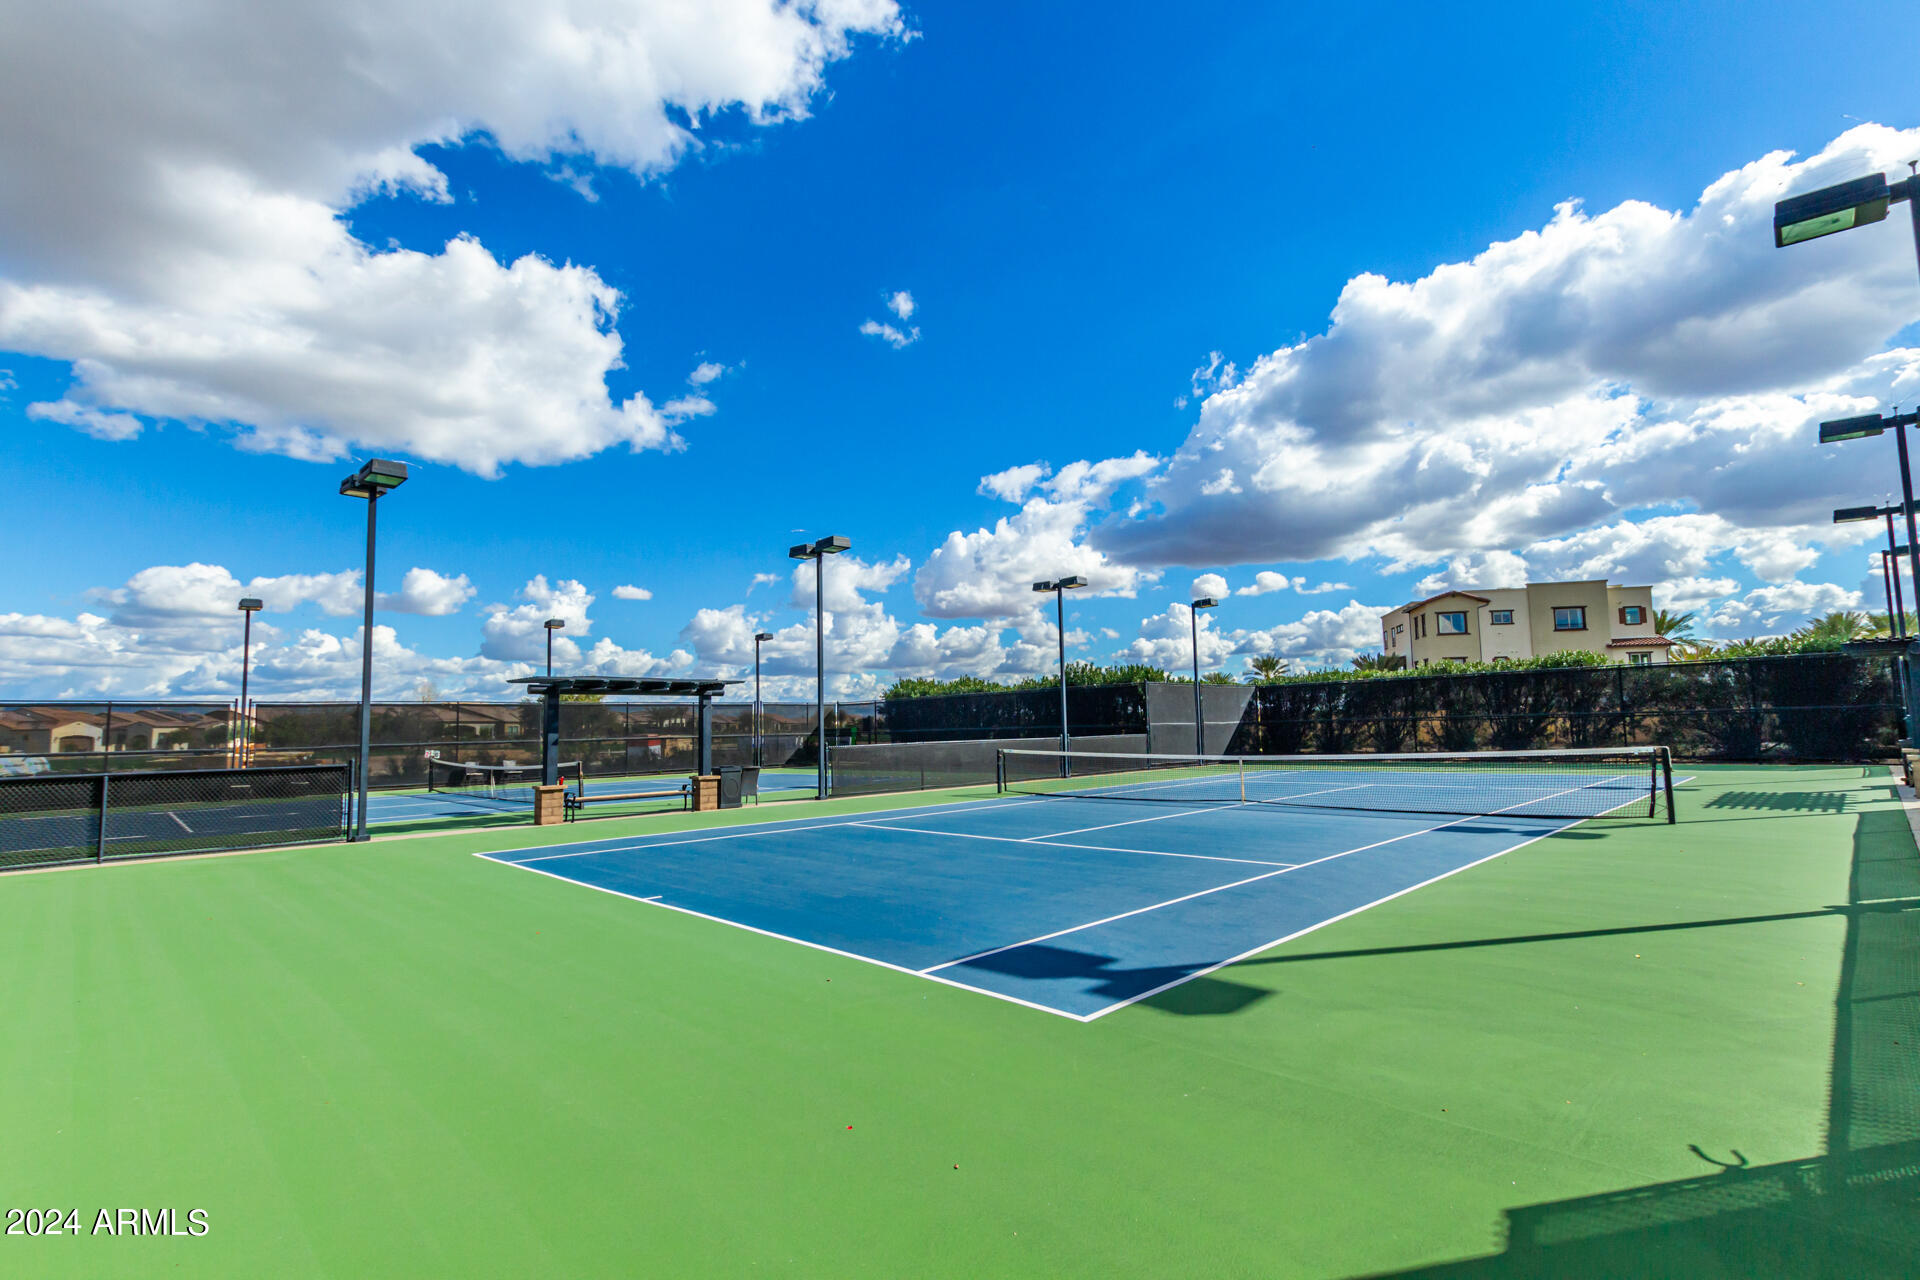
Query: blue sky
1147, 244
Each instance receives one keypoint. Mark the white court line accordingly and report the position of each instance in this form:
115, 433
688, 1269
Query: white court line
932, 976
817, 946
1158, 817
1298, 933
1060, 844
1321, 924
1188, 897
1186, 813
1250, 880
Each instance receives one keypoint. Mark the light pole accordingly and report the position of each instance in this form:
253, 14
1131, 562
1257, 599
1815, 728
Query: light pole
1842, 207
1896, 622
1199, 717
248, 608
1889, 562
1872, 424
552, 625
1060, 587
378, 477
759, 734
818, 553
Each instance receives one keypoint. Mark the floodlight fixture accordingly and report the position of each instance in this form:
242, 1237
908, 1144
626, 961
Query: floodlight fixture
251, 605
377, 478
1841, 207
1871, 424
1205, 602
1848, 515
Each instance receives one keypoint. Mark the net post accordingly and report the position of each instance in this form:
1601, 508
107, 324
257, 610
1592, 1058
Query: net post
1666, 779
1240, 767
999, 772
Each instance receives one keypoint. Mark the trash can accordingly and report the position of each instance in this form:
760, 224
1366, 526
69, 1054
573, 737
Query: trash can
729, 786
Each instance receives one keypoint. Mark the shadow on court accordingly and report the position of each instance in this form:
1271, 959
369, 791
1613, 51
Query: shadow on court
1821, 802
1853, 1212
1200, 996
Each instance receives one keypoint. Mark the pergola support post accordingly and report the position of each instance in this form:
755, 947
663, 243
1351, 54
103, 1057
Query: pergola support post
706, 735
550, 736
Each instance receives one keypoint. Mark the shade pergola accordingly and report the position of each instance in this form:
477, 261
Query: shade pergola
551, 688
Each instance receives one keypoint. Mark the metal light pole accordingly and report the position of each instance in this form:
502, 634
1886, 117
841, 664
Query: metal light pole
759, 732
553, 625
1199, 716
1059, 587
1842, 207
244, 737
1890, 570
818, 553
378, 477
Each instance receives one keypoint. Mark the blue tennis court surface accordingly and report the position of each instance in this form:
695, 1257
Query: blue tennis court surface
419, 806
1077, 906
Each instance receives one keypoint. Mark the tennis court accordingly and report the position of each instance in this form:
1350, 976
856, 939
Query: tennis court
1625, 1048
1080, 899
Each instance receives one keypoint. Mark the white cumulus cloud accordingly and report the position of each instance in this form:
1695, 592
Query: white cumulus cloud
173, 223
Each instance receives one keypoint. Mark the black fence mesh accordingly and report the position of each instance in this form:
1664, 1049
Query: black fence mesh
1804, 707
59, 818
56, 736
1022, 713
1800, 707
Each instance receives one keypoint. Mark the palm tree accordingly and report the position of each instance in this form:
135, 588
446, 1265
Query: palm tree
1267, 666
1677, 627
1841, 624
1379, 662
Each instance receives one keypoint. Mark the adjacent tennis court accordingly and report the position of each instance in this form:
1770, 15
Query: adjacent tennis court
1081, 900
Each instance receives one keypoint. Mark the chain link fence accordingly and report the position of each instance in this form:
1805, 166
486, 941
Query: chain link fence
57, 818
1800, 707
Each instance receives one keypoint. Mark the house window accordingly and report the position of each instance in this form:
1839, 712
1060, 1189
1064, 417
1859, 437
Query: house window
1570, 618
1500, 617
1452, 624
1632, 615
1639, 658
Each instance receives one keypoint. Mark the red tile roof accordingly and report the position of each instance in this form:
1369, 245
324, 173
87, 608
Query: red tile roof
1443, 595
1639, 642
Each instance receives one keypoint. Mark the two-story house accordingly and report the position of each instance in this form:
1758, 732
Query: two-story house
1503, 624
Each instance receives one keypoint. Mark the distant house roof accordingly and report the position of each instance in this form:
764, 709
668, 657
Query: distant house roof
1640, 642
1465, 595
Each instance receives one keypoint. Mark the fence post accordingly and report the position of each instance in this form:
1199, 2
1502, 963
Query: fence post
100, 832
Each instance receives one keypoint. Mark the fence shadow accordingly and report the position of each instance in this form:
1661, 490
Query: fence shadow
1853, 1212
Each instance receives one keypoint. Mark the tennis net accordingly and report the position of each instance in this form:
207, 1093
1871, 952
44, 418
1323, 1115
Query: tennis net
513, 783
1573, 783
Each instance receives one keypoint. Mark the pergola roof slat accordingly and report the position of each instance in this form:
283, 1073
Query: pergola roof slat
647, 685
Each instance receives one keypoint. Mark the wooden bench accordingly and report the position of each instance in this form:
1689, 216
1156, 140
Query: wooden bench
577, 801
